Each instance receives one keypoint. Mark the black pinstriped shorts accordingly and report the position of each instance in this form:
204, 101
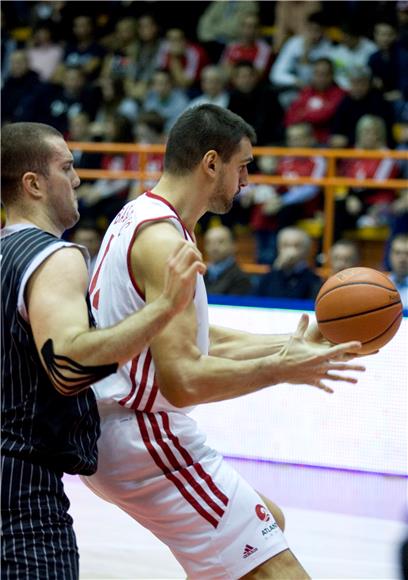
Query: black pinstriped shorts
38, 537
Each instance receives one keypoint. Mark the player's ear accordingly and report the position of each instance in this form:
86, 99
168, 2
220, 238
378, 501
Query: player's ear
31, 184
210, 162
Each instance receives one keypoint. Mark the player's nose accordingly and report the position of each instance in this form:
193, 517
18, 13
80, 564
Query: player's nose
243, 178
76, 181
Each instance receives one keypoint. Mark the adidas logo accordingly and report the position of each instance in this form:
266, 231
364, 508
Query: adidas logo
248, 550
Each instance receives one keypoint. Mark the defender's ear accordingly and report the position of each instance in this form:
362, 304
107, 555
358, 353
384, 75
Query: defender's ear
31, 184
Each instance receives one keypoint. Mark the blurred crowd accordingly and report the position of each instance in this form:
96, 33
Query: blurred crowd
302, 73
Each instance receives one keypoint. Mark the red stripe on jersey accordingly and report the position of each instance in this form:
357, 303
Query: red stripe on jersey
95, 299
180, 469
132, 376
96, 275
163, 200
169, 475
152, 396
143, 382
187, 457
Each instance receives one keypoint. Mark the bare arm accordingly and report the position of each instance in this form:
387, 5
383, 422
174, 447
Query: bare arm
240, 345
187, 377
75, 355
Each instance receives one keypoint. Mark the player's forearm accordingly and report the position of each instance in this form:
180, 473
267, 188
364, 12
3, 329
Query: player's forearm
239, 345
125, 340
210, 379
85, 358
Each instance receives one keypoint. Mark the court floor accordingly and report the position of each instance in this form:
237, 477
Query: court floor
339, 525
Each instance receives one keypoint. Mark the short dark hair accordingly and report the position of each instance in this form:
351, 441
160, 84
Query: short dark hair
200, 129
24, 147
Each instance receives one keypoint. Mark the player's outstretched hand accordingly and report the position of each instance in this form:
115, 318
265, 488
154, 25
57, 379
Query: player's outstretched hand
314, 335
313, 363
180, 277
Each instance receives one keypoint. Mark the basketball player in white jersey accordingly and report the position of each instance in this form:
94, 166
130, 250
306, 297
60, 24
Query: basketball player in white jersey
153, 461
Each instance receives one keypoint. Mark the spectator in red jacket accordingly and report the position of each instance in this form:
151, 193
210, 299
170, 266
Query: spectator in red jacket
317, 103
249, 47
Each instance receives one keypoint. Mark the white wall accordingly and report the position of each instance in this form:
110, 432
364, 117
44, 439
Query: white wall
361, 426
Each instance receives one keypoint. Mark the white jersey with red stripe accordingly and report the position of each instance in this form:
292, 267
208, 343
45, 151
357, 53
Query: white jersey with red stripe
115, 295
153, 462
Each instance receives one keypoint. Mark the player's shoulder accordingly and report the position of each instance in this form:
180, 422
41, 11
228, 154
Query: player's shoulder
67, 260
66, 267
146, 207
158, 235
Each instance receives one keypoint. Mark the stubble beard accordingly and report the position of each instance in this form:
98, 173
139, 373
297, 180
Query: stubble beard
220, 202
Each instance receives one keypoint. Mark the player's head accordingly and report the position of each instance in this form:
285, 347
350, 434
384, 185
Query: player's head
37, 174
344, 254
201, 129
216, 142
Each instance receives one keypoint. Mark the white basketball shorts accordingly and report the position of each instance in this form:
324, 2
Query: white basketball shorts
157, 468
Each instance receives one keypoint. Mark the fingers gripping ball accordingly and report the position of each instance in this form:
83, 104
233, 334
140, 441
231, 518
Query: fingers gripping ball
359, 304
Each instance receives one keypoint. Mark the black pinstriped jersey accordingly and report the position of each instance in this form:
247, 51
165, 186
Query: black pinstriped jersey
38, 423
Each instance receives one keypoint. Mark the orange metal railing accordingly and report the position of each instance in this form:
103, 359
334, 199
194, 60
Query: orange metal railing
328, 183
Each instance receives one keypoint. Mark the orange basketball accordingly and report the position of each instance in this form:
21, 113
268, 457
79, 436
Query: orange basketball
359, 304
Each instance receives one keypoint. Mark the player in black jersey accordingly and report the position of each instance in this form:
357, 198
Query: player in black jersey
50, 352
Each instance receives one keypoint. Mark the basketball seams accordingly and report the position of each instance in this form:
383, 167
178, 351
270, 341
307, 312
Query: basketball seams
371, 284
362, 313
396, 321
359, 304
